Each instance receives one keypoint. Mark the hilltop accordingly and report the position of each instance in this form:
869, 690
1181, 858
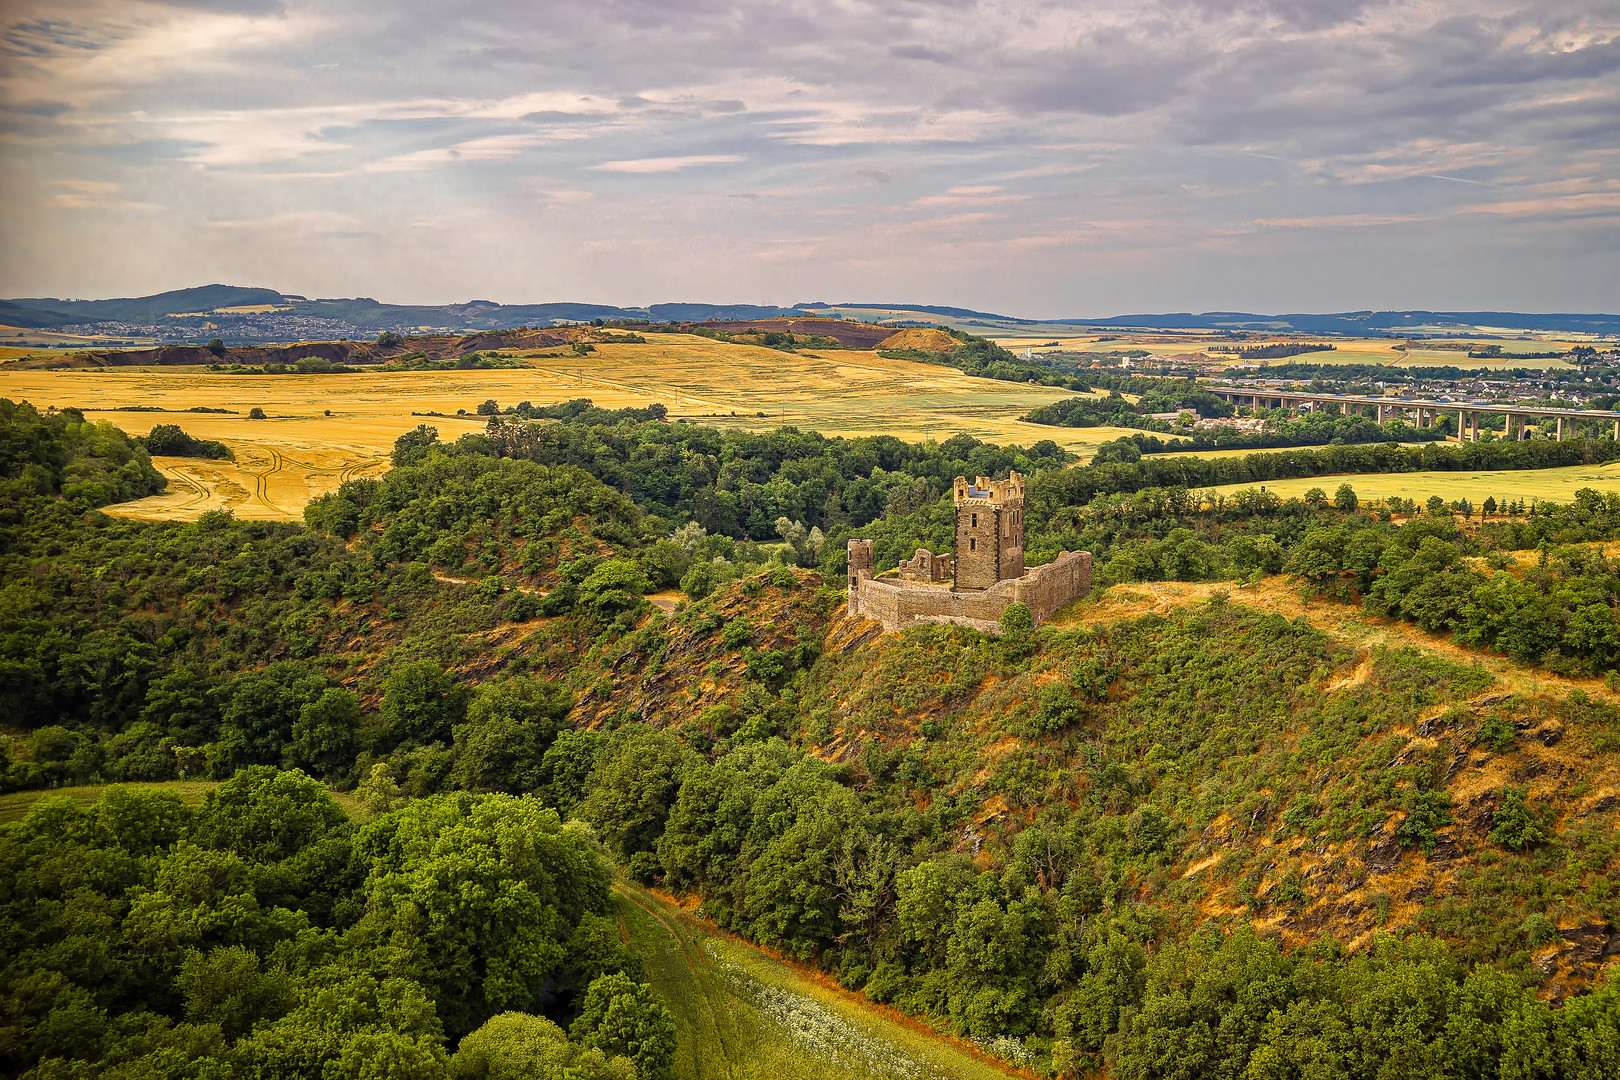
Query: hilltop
245, 315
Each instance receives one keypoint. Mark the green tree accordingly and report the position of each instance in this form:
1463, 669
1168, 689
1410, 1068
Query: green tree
567, 768
636, 779
323, 736
1016, 620
226, 986
624, 1018
517, 1046
1319, 557
418, 704
477, 895
266, 815
411, 447
258, 722
1344, 498
613, 587
348, 1026
511, 723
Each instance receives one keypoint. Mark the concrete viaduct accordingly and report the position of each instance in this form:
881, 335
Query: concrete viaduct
1427, 412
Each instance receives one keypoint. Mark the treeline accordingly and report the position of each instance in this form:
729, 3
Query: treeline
417, 360
1277, 351
985, 359
1055, 490
1339, 373
57, 462
781, 340
737, 483
1157, 396
1558, 614
1308, 430
306, 365
263, 934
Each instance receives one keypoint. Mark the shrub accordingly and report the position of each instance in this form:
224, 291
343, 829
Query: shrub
1514, 822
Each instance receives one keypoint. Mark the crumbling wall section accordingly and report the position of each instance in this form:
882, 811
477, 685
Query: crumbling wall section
898, 604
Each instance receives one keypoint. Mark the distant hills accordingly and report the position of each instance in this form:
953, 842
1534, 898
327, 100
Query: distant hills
243, 314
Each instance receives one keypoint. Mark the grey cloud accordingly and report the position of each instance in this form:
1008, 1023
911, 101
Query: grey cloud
1299, 14
850, 114
920, 52
42, 38
234, 7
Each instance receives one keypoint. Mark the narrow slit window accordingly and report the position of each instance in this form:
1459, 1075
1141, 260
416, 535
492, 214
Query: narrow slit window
973, 545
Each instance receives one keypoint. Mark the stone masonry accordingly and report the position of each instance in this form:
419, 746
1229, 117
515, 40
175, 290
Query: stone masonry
985, 574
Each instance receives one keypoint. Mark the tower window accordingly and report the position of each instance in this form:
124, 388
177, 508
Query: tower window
975, 521
973, 545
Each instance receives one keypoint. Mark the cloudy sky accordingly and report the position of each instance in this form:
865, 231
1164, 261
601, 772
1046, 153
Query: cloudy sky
1037, 159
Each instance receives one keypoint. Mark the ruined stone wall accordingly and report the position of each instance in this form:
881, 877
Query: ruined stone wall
925, 566
860, 569
1044, 589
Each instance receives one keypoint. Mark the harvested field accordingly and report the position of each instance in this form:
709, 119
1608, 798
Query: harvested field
925, 339
1555, 485
300, 451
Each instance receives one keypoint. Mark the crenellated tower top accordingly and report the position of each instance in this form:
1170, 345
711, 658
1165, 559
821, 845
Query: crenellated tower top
994, 493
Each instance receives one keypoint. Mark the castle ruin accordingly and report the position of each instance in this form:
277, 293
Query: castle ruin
984, 573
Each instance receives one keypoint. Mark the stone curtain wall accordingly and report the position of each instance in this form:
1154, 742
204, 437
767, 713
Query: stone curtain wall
1044, 589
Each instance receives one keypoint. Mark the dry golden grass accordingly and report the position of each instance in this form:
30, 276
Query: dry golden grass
300, 451
1346, 623
920, 337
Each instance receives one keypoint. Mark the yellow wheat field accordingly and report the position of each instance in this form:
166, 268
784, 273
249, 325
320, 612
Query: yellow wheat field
1545, 485
323, 429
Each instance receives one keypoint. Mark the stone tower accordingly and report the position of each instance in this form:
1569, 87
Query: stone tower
989, 531
860, 567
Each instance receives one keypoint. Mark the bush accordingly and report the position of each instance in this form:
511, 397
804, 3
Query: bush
167, 440
623, 1018
1514, 823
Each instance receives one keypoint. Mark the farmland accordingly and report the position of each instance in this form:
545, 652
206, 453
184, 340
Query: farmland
1382, 351
322, 429
1545, 485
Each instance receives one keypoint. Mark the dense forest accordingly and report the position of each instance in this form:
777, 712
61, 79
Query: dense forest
1209, 843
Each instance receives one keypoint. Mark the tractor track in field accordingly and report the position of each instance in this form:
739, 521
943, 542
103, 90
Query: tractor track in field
701, 970
199, 494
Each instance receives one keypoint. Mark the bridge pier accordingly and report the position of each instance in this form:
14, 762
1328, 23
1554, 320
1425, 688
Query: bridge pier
1560, 429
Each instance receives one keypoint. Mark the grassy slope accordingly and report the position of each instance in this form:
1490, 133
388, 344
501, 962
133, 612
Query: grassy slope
14, 805
740, 1014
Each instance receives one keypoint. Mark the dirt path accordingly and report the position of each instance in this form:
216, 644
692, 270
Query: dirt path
1346, 623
